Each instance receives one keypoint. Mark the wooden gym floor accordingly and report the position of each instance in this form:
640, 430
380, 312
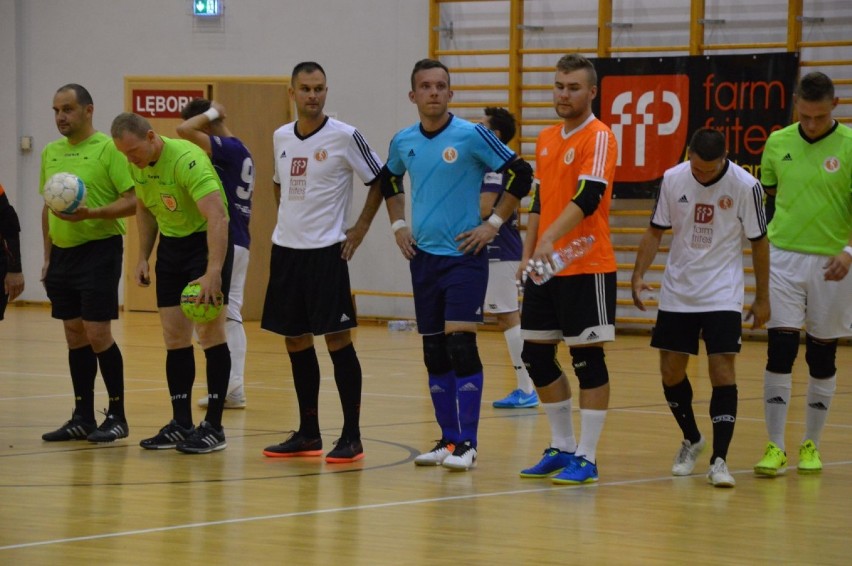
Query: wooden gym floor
76, 503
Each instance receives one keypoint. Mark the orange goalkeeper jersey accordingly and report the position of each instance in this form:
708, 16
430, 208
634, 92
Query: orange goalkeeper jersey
563, 161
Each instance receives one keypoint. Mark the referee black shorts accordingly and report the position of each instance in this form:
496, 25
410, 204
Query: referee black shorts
82, 281
184, 259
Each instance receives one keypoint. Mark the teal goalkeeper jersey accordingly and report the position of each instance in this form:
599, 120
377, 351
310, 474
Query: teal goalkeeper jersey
446, 170
813, 206
103, 169
170, 188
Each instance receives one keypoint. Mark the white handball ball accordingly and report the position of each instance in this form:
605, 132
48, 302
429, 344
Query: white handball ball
64, 192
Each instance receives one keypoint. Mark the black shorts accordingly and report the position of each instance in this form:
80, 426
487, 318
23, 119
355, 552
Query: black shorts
577, 309
82, 281
308, 292
181, 260
679, 332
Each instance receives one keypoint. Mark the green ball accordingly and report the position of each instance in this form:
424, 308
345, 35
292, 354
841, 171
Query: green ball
201, 312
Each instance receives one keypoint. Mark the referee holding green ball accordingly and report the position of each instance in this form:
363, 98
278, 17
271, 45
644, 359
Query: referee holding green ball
180, 196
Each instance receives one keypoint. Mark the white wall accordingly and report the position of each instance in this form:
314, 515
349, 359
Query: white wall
366, 46
9, 109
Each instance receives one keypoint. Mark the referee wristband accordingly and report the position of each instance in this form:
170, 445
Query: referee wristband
848, 250
398, 225
211, 113
495, 221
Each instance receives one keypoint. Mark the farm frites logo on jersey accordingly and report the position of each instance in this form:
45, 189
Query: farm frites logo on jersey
298, 178
702, 230
649, 116
704, 213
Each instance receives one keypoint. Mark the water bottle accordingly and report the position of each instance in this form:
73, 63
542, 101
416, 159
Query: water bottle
401, 325
540, 272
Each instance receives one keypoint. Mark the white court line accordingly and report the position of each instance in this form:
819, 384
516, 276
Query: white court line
316, 512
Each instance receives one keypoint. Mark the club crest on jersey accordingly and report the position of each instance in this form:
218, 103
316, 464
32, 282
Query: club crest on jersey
831, 164
450, 155
569, 157
726, 202
321, 155
170, 202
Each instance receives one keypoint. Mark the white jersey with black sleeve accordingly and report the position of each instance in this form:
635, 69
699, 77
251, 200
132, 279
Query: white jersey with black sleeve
704, 270
316, 178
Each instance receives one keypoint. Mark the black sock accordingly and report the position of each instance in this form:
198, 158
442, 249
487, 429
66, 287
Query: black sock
112, 370
180, 374
348, 377
83, 365
306, 378
218, 371
723, 413
679, 398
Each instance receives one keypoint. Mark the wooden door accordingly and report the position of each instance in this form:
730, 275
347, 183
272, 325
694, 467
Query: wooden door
255, 110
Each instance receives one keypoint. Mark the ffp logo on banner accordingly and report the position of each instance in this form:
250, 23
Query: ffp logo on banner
648, 115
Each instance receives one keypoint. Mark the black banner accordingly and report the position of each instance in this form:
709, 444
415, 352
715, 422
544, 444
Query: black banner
654, 104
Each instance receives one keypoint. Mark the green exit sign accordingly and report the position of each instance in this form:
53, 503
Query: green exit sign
207, 8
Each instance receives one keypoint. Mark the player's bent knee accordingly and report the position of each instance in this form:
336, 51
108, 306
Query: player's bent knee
782, 349
590, 367
541, 363
821, 356
435, 354
464, 354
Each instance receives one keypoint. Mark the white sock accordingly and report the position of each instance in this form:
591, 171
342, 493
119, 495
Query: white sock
561, 425
516, 344
592, 422
820, 393
776, 400
236, 337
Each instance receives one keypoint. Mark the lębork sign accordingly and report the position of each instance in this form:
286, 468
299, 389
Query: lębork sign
162, 103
